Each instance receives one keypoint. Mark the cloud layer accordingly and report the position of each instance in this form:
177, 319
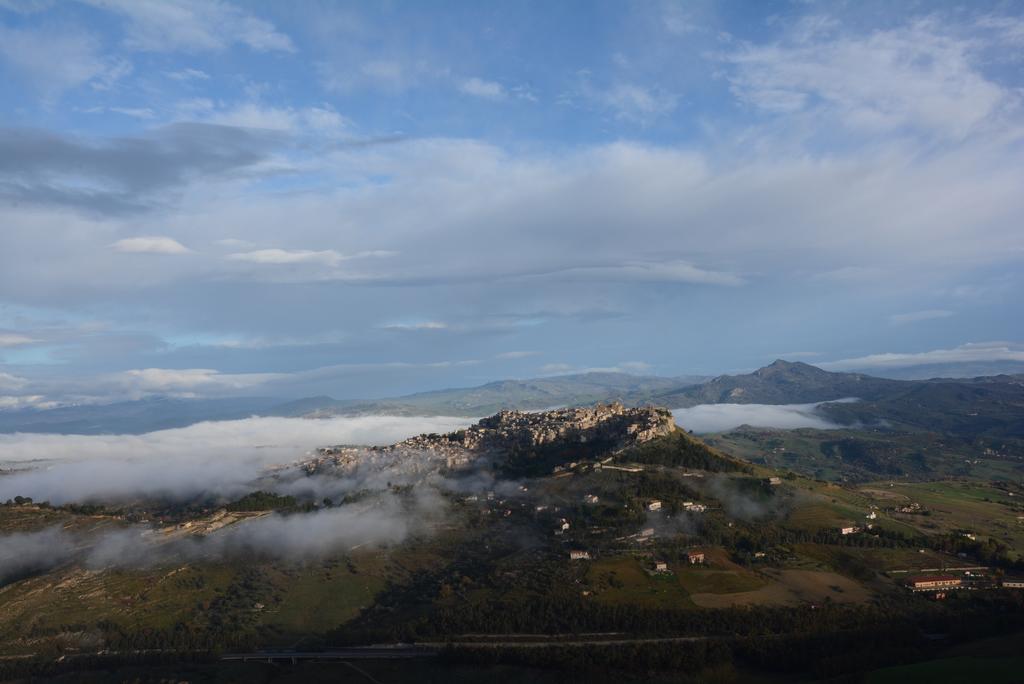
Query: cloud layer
220, 459
706, 418
256, 193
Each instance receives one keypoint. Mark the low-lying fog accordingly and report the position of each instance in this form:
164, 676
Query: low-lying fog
706, 418
219, 462
218, 458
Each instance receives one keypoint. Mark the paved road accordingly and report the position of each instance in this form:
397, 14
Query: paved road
397, 652
558, 642
428, 649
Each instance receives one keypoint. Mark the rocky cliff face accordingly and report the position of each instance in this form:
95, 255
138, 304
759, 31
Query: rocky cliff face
603, 428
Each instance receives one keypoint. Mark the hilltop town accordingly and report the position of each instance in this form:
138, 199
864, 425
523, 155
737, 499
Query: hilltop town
508, 434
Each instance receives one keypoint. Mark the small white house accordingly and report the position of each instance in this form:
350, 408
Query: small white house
579, 555
654, 505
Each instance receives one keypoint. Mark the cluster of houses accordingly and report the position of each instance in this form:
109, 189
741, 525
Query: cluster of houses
939, 584
690, 506
692, 557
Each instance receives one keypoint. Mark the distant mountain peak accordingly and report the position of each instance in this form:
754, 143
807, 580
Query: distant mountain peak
779, 366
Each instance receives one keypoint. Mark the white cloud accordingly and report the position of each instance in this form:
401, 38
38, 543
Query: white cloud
465, 211
193, 26
920, 76
391, 75
630, 102
186, 382
27, 401
638, 103
629, 367
1008, 30
327, 257
134, 112
15, 340
971, 352
310, 120
851, 274
192, 383
55, 59
488, 90
517, 354
188, 74
917, 316
556, 369
677, 21
150, 245
425, 325
666, 271
724, 417
216, 457
12, 383
26, 6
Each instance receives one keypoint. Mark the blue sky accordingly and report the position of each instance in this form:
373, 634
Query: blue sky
211, 198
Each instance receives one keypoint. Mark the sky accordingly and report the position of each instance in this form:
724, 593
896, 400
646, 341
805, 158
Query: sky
201, 198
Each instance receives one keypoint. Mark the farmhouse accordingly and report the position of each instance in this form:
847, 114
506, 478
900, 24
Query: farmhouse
660, 566
654, 505
849, 530
579, 555
695, 557
933, 582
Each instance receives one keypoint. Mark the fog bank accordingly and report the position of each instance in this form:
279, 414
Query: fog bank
215, 458
724, 417
385, 518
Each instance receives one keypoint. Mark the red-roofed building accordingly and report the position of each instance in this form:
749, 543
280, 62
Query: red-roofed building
933, 582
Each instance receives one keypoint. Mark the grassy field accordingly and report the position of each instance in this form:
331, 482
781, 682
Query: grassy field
861, 455
320, 597
70, 601
790, 587
626, 580
984, 509
719, 584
